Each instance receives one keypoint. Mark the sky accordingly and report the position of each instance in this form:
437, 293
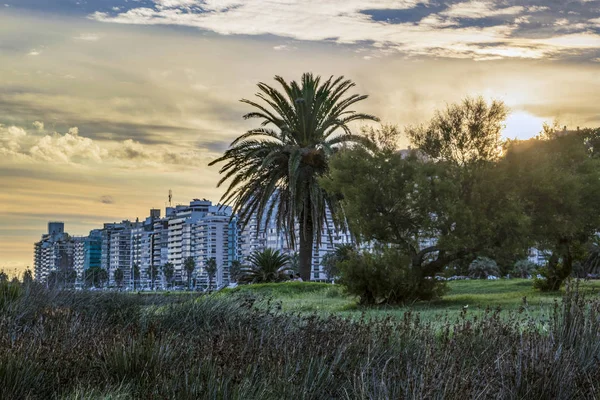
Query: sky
106, 105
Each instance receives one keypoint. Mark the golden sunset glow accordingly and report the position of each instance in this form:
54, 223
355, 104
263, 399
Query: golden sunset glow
103, 109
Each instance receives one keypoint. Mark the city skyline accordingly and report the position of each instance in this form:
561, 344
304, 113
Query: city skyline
106, 105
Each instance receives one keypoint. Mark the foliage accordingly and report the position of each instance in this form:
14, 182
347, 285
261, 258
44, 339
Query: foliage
592, 261
211, 271
331, 260
96, 277
462, 134
438, 213
3, 276
168, 270
79, 345
274, 169
235, 270
482, 267
386, 276
523, 269
189, 265
118, 276
559, 187
266, 266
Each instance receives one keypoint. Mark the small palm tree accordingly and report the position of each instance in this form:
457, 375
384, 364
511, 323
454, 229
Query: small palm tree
482, 267
136, 274
168, 271
275, 168
118, 275
152, 274
189, 265
211, 271
266, 266
523, 268
235, 270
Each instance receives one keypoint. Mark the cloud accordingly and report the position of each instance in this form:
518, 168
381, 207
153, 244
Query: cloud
38, 125
88, 37
106, 199
67, 148
347, 23
480, 9
10, 138
71, 148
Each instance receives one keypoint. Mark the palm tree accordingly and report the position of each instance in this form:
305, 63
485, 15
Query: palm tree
189, 265
482, 267
136, 273
168, 271
235, 270
523, 268
152, 274
211, 271
118, 275
275, 168
266, 266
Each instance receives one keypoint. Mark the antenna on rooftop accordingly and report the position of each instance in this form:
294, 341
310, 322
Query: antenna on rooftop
170, 197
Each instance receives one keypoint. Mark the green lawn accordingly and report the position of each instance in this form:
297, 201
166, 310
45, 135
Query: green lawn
478, 295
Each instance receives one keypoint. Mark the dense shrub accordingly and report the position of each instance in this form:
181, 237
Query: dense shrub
224, 347
386, 276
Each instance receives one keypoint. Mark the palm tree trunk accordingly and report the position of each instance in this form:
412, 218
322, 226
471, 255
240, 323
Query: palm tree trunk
306, 249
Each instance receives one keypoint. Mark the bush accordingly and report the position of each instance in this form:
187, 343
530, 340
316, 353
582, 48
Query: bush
224, 347
387, 276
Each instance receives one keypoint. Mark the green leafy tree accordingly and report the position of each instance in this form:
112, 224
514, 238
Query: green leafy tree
266, 266
464, 133
331, 260
437, 205
189, 265
168, 271
211, 271
274, 169
118, 276
559, 183
482, 267
235, 270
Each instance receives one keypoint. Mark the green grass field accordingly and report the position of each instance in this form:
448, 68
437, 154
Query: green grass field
515, 295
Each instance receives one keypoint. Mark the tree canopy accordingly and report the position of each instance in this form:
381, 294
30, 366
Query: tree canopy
274, 169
